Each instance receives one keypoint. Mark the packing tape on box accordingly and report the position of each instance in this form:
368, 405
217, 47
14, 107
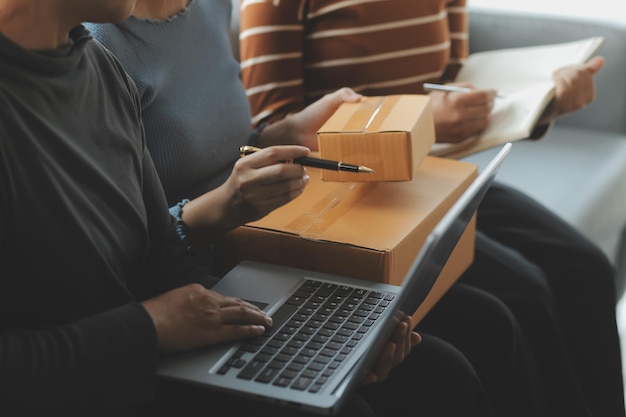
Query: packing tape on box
335, 203
374, 110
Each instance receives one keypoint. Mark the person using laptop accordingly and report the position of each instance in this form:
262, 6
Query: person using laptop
151, 45
96, 282
556, 282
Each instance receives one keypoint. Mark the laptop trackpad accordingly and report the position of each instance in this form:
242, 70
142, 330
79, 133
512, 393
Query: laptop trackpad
259, 304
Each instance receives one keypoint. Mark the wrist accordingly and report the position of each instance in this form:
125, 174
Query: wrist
210, 215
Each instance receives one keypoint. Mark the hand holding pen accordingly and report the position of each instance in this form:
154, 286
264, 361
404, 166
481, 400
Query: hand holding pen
459, 112
314, 162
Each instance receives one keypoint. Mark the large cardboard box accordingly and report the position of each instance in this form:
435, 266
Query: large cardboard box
371, 231
390, 134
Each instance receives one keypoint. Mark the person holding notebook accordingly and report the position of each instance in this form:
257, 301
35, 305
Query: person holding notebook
556, 282
150, 46
96, 282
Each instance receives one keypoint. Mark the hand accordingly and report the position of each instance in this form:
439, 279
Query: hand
301, 128
193, 316
398, 347
460, 116
258, 184
575, 86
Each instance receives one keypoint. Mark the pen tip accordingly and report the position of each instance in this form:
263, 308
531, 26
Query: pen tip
366, 169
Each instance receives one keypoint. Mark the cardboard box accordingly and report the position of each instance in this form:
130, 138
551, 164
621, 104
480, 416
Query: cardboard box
390, 134
370, 231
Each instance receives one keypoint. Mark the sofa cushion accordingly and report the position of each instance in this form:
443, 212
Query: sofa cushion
579, 174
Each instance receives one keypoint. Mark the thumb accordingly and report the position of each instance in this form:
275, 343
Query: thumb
595, 64
344, 94
319, 111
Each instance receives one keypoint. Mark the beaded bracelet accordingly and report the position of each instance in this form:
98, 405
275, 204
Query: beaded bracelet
177, 212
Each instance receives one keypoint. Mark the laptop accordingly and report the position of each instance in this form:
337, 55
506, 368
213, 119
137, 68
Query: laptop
328, 330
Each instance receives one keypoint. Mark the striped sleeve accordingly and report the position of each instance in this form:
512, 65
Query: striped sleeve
270, 42
295, 51
459, 36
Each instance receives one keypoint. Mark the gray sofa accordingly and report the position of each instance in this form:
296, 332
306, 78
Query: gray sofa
579, 169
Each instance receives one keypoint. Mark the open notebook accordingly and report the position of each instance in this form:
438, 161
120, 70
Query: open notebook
523, 76
328, 330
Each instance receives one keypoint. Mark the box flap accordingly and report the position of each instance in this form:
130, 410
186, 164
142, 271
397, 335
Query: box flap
321, 204
385, 214
376, 114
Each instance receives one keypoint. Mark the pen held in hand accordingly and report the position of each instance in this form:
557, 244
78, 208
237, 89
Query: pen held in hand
315, 162
451, 88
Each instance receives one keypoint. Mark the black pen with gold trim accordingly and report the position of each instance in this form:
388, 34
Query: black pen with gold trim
314, 162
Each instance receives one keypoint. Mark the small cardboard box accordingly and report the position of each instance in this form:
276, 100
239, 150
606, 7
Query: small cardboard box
370, 231
390, 134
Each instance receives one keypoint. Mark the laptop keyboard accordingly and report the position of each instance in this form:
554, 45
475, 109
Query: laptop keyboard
311, 335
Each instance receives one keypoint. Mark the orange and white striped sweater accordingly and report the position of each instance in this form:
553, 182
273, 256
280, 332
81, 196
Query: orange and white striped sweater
295, 51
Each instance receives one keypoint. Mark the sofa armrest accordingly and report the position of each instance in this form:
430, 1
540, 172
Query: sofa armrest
498, 29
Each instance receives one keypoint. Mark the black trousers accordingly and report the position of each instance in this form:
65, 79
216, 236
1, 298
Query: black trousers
561, 289
485, 330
